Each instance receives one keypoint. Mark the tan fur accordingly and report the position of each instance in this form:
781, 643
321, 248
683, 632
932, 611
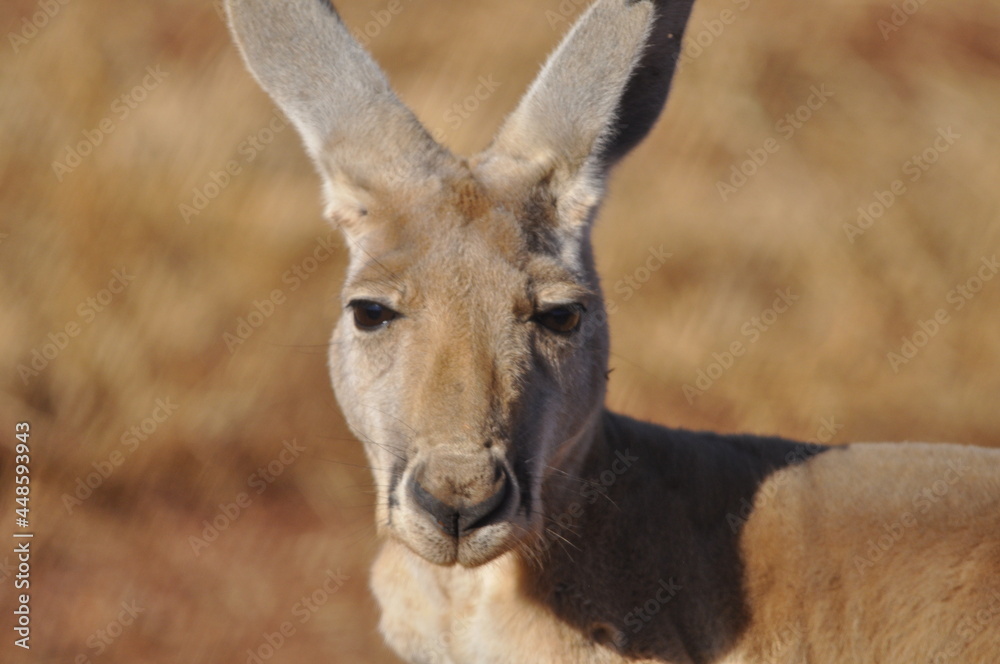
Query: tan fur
902, 582
522, 521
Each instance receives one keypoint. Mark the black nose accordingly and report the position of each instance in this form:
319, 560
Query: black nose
457, 517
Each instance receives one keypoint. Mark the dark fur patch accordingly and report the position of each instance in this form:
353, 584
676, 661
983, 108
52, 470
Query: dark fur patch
648, 542
539, 221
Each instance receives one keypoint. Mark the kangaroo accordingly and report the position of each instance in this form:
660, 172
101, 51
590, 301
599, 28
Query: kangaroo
521, 520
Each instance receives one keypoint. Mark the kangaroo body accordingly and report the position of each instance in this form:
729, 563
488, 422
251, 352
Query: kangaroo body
730, 550
522, 521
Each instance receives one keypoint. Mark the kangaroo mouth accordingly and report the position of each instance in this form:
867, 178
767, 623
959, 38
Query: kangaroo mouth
465, 534
477, 548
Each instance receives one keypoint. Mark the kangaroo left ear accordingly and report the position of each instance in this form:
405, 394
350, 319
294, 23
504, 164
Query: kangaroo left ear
365, 142
597, 97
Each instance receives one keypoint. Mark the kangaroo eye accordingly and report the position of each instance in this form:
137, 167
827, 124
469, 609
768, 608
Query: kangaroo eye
371, 316
563, 319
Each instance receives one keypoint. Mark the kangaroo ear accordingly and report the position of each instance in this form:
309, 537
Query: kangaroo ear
597, 97
362, 138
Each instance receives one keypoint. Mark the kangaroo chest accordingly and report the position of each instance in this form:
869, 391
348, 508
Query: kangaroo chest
433, 615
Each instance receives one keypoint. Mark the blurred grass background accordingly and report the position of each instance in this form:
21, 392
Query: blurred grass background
819, 370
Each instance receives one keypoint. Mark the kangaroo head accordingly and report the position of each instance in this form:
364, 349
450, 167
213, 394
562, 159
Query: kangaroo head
471, 358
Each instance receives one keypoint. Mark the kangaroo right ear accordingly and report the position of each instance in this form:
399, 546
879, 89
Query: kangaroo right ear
597, 97
362, 138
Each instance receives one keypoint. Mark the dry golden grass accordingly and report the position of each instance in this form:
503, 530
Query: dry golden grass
162, 337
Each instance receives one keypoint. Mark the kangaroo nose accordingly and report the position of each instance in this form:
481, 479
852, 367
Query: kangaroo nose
458, 510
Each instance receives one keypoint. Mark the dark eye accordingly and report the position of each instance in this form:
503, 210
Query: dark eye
371, 316
563, 319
